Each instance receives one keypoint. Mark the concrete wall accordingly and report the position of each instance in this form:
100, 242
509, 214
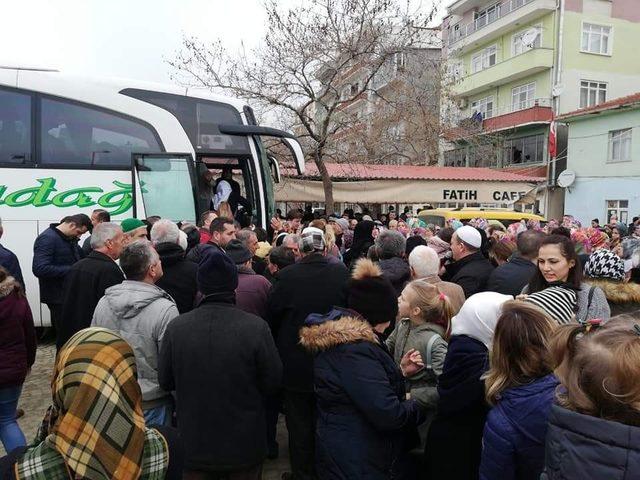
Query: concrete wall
586, 199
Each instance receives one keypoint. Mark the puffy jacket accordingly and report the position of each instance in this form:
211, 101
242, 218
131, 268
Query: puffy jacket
471, 273
514, 435
18, 338
581, 447
363, 417
178, 277
140, 313
53, 256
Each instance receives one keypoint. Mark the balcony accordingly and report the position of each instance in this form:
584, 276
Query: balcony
533, 111
509, 70
498, 22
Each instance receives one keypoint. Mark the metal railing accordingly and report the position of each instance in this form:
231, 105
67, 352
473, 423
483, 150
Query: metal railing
482, 21
516, 107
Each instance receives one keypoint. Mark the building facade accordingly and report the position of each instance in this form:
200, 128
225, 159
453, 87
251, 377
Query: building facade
604, 156
516, 64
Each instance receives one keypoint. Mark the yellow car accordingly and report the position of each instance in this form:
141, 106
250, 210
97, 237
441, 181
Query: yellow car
439, 216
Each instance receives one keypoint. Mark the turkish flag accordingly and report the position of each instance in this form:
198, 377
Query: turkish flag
552, 140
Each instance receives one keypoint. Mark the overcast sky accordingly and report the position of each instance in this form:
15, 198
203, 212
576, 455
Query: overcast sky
124, 38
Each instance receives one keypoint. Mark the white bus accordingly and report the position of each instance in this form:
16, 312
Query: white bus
71, 144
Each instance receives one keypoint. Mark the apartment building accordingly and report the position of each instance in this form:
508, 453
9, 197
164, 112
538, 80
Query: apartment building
514, 65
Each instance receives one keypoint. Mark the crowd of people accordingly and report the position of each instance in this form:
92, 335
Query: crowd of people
395, 349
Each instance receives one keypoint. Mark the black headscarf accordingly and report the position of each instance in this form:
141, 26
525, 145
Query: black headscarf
362, 240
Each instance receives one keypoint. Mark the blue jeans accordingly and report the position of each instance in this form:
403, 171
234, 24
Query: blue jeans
158, 416
10, 433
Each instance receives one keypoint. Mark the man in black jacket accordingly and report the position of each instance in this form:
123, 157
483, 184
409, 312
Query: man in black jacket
54, 252
222, 231
511, 277
313, 285
89, 278
221, 362
179, 277
470, 269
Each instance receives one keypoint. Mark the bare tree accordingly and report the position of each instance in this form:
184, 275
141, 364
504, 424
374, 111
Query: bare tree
300, 68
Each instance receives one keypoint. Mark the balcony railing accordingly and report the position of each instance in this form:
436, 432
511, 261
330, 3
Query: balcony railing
488, 18
518, 106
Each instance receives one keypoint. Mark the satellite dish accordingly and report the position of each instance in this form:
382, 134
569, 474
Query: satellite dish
557, 90
566, 178
529, 37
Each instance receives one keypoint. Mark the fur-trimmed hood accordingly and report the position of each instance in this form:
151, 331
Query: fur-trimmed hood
329, 334
617, 292
7, 286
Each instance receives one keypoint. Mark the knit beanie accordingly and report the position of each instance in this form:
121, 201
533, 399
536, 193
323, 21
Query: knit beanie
216, 272
371, 295
238, 252
129, 224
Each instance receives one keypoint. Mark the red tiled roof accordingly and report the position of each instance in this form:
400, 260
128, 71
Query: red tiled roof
353, 171
610, 105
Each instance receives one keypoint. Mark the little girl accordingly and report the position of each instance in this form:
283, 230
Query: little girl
425, 315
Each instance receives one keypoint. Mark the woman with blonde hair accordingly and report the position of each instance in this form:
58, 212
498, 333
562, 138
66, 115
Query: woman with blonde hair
425, 314
224, 210
520, 387
594, 430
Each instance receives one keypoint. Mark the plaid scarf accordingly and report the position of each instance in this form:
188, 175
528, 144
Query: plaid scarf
95, 427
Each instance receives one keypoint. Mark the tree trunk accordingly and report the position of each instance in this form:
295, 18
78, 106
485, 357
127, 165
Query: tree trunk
327, 185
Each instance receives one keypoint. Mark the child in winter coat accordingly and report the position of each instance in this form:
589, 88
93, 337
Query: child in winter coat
520, 386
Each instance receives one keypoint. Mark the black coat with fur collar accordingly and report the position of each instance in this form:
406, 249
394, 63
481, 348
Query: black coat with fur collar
622, 297
363, 417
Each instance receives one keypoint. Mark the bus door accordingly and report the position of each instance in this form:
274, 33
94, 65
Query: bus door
164, 184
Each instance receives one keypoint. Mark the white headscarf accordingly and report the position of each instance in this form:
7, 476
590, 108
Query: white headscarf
478, 316
223, 191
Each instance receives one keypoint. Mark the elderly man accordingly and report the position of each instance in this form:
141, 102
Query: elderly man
179, 274
470, 269
253, 290
134, 229
140, 311
98, 216
89, 278
312, 285
292, 242
250, 240
390, 248
425, 265
54, 252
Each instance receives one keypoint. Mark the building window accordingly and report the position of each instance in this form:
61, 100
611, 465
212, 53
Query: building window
486, 16
592, 93
523, 150
15, 128
455, 70
620, 145
523, 96
456, 158
526, 40
484, 106
596, 39
484, 59
619, 208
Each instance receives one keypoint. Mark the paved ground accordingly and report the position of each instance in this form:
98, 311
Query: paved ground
36, 397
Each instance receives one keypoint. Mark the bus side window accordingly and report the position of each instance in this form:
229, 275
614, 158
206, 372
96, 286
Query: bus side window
15, 128
72, 134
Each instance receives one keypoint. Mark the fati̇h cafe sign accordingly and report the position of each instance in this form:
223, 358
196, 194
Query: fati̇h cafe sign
115, 200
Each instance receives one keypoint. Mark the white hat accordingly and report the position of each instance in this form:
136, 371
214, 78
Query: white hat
470, 236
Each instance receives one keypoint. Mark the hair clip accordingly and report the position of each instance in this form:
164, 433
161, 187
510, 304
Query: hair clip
442, 296
592, 323
636, 329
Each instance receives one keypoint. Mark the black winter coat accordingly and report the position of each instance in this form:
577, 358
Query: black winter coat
471, 273
18, 338
581, 447
363, 420
179, 276
53, 256
313, 285
511, 277
10, 262
454, 442
84, 287
196, 253
397, 271
222, 363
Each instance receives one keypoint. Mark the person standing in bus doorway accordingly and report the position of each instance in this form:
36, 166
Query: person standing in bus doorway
54, 253
9, 261
89, 278
98, 216
230, 193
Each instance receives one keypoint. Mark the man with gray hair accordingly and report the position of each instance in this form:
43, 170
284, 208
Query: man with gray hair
179, 278
140, 311
89, 279
390, 247
425, 265
9, 261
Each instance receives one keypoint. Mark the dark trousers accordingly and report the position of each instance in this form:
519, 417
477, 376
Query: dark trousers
273, 406
300, 415
56, 319
253, 473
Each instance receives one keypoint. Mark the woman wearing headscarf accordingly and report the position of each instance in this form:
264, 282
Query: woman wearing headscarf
454, 443
605, 270
362, 241
95, 429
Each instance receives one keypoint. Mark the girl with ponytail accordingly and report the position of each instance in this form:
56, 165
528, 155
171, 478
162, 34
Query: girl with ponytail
425, 315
